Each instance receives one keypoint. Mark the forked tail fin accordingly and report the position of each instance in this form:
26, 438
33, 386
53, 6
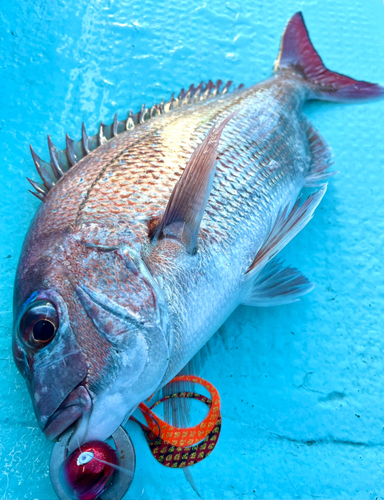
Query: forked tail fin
298, 53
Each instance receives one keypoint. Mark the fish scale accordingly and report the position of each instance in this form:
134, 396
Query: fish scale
102, 173
150, 170
153, 231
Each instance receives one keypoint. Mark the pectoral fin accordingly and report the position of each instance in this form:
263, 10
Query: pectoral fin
186, 206
276, 285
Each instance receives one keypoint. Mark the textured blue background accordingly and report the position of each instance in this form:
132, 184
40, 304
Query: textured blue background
301, 385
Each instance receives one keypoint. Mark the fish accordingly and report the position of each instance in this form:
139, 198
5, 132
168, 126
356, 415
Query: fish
153, 231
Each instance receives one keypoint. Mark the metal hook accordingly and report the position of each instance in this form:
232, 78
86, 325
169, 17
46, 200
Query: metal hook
121, 481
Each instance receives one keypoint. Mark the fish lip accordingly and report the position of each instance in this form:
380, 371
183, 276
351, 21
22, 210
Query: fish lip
75, 405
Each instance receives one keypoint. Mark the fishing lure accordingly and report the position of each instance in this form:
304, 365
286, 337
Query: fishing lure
153, 231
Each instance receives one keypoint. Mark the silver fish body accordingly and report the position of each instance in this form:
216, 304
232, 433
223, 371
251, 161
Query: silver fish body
263, 159
113, 247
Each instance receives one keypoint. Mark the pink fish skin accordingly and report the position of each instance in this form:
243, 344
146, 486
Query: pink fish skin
153, 231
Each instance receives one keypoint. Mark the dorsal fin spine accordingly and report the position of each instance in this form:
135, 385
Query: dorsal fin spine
115, 126
56, 167
44, 170
227, 87
38, 195
84, 140
71, 155
40, 188
142, 114
102, 138
130, 123
62, 160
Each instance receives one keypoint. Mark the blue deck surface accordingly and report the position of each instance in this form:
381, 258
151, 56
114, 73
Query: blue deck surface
301, 385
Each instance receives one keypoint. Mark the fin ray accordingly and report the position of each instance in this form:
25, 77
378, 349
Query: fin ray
321, 160
286, 226
63, 159
57, 168
70, 151
44, 169
40, 188
186, 206
276, 285
297, 52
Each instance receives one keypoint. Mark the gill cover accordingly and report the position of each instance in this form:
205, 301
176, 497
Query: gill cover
112, 336
125, 307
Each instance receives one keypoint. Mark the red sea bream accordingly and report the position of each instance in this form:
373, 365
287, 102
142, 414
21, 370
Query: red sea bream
153, 231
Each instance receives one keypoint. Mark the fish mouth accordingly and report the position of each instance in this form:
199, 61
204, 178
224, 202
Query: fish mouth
75, 405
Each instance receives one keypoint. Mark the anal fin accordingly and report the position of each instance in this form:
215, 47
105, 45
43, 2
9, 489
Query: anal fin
321, 158
276, 285
286, 226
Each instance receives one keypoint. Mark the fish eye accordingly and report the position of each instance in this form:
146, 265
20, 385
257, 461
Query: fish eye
39, 324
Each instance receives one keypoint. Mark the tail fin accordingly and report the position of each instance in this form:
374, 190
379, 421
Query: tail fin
297, 52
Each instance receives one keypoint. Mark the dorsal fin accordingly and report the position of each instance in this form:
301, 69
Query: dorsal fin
44, 169
55, 165
62, 160
186, 206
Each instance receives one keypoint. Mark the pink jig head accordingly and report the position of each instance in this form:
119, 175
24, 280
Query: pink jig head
86, 472
94, 470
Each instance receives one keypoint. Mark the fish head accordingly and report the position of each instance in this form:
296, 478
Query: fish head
92, 337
